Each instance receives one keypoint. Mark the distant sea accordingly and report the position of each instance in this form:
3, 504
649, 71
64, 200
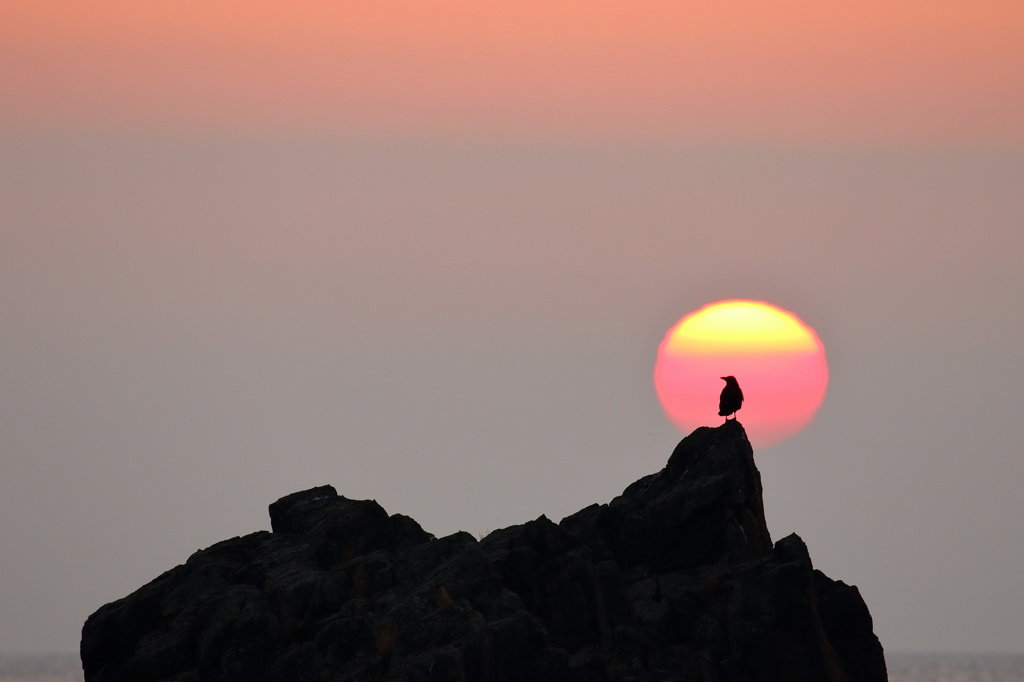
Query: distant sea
902, 668
954, 668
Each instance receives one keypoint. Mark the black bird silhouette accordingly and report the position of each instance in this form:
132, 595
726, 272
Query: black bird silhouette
731, 398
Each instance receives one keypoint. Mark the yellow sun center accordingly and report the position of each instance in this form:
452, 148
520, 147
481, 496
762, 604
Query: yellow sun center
739, 326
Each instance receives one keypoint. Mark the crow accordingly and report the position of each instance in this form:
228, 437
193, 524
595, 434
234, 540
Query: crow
731, 398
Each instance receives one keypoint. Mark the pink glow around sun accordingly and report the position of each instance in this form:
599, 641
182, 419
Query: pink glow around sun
778, 360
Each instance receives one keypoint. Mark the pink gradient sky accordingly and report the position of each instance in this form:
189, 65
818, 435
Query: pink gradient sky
938, 72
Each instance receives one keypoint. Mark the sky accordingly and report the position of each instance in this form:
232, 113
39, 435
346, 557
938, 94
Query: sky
426, 254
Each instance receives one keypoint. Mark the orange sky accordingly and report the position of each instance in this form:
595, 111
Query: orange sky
945, 71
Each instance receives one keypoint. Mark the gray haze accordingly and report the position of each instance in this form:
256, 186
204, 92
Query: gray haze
190, 329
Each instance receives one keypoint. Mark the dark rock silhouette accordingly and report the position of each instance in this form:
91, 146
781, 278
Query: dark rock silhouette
731, 399
675, 579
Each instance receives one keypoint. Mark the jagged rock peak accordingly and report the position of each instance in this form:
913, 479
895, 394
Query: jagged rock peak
674, 579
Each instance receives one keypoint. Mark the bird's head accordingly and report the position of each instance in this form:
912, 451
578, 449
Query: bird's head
729, 380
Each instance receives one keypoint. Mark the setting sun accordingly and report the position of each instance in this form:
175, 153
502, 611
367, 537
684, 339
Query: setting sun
778, 360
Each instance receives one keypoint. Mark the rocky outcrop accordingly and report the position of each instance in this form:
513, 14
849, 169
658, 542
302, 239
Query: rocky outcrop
675, 579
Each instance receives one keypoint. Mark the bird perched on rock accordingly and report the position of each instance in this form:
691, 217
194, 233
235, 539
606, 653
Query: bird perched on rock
731, 398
